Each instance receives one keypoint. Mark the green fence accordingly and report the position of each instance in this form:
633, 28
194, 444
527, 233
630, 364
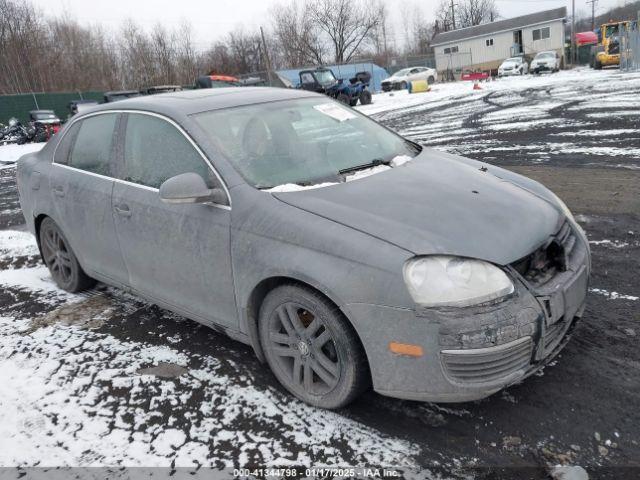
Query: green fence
19, 105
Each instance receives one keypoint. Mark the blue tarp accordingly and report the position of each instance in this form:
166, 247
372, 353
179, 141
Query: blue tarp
345, 72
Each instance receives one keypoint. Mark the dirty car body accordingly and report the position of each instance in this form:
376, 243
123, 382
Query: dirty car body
375, 250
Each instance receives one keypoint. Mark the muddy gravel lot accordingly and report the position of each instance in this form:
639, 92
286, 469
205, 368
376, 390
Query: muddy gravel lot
104, 378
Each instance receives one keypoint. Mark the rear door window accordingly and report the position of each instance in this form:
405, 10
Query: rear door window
155, 150
92, 149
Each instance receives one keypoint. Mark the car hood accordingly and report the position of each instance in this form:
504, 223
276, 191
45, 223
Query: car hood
437, 204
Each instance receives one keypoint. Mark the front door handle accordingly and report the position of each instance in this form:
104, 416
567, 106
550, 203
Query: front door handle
122, 210
58, 191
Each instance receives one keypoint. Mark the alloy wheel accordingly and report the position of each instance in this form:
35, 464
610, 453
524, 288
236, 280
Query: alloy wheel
304, 349
57, 256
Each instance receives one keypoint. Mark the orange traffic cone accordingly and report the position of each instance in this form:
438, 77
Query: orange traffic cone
476, 85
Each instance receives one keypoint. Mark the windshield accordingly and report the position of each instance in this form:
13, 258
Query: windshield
304, 142
545, 55
611, 30
514, 59
325, 76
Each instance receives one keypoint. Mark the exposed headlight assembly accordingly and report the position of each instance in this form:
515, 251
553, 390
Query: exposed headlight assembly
445, 281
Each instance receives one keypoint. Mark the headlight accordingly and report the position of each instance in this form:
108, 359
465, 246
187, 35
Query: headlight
439, 281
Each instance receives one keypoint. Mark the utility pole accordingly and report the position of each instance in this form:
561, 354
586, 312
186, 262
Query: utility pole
593, 13
453, 14
266, 56
573, 32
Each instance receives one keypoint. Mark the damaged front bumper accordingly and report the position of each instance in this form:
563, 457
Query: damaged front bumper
471, 353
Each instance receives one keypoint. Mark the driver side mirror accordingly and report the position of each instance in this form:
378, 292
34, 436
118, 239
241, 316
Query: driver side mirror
190, 188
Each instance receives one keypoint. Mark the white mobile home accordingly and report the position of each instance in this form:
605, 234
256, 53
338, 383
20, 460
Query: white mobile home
484, 47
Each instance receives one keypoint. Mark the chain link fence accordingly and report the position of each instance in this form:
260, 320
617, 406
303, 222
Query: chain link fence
630, 48
395, 64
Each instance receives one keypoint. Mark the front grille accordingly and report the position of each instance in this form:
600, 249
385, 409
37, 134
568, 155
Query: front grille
486, 365
550, 259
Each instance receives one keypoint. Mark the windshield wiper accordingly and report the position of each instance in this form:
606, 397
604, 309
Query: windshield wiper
376, 162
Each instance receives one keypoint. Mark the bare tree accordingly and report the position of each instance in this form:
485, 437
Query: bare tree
476, 12
346, 23
297, 34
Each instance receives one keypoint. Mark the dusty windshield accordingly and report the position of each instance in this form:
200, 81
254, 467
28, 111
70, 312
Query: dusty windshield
545, 55
303, 142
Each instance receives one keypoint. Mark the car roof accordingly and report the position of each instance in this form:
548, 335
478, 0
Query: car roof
189, 102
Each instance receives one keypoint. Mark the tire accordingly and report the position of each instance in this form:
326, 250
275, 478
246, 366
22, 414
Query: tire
598, 65
431, 80
311, 348
365, 97
60, 259
343, 98
403, 85
353, 102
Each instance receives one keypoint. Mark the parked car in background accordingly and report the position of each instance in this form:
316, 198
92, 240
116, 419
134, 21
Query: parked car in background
513, 66
545, 62
120, 95
160, 89
400, 80
46, 124
217, 81
338, 249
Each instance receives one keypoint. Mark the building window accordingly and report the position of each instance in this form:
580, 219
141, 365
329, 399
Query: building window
489, 42
541, 33
450, 50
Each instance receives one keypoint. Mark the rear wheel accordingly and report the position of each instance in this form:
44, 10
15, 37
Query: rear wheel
310, 347
60, 259
403, 85
365, 97
431, 80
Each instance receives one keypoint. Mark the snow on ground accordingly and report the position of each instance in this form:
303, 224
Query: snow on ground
546, 118
73, 395
12, 152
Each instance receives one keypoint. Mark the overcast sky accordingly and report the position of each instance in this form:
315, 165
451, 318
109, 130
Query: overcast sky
211, 19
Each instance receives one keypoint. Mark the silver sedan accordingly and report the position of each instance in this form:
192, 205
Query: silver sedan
344, 254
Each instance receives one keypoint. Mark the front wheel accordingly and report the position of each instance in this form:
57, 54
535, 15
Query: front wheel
60, 259
311, 348
365, 97
403, 85
343, 98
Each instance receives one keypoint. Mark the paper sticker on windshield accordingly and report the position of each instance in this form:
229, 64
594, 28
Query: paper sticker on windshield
335, 111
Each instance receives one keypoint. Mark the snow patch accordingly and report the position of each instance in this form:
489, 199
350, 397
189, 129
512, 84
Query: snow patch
613, 295
11, 153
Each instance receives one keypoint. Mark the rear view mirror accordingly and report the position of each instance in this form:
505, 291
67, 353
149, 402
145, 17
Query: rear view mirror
190, 188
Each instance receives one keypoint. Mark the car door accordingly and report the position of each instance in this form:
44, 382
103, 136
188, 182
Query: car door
81, 183
176, 254
414, 74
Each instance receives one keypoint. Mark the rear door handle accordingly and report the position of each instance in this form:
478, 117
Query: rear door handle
122, 210
58, 191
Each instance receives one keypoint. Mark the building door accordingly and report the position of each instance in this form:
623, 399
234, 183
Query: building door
518, 47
